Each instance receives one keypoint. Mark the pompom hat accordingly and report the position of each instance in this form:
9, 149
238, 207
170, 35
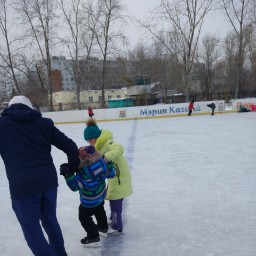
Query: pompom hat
92, 131
20, 100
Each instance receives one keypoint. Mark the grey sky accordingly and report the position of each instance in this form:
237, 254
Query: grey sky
215, 23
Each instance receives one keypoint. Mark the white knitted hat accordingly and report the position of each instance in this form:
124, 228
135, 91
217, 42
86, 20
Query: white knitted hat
22, 100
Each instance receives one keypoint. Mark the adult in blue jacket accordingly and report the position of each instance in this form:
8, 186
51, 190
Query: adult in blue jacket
25, 147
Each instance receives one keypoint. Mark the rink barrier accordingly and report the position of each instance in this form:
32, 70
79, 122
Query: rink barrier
143, 112
247, 103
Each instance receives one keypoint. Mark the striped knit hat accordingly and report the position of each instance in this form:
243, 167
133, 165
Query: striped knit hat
87, 152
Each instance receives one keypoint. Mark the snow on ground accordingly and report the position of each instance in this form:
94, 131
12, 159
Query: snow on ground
194, 181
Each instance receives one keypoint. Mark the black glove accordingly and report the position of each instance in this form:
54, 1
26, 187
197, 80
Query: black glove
65, 170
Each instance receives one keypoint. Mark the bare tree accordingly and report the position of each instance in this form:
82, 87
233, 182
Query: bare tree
210, 55
90, 20
181, 23
81, 23
252, 59
72, 18
108, 33
34, 84
152, 61
230, 59
8, 58
139, 56
253, 13
238, 13
38, 18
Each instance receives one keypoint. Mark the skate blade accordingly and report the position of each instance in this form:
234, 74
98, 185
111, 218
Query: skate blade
92, 245
103, 234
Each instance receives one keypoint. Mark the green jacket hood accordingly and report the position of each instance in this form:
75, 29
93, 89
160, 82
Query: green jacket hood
104, 136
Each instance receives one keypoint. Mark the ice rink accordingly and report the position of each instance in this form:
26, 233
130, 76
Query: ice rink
194, 181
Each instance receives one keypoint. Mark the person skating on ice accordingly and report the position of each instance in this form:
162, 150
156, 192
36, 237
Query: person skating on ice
26, 143
212, 106
191, 107
90, 111
89, 180
120, 186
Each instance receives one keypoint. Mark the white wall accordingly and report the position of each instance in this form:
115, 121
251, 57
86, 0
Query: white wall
153, 111
245, 102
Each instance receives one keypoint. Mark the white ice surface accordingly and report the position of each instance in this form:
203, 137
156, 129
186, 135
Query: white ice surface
194, 181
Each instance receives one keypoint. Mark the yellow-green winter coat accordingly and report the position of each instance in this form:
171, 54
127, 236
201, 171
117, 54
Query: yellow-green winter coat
114, 152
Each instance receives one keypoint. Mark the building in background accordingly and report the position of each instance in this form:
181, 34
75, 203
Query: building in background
6, 88
63, 75
66, 100
90, 70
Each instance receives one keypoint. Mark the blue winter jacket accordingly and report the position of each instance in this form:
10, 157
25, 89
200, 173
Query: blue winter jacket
90, 182
25, 147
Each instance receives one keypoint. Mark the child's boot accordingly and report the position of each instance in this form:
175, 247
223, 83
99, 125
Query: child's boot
91, 242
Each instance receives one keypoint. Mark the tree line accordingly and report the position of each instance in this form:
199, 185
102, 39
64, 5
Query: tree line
172, 49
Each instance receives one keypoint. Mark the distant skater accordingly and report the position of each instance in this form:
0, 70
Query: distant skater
212, 106
243, 109
90, 111
253, 107
191, 107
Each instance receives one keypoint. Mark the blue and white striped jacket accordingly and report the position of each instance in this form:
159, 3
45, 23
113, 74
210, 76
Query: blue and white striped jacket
90, 182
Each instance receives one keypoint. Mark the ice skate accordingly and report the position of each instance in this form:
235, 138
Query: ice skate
103, 232
114, 231
94, 242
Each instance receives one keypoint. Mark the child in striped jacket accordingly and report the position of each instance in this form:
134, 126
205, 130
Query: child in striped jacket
90, 182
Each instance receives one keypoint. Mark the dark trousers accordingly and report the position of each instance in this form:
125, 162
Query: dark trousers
85, 217
116, 207
30, 211
190, 112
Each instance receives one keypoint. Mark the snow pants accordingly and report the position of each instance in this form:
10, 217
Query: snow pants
85, 217
116, 207
29, 212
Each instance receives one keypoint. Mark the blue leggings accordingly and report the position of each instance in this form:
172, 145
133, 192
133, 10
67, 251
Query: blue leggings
29, 212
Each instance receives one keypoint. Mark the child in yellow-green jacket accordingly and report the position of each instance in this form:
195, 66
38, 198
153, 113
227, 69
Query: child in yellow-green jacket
120, 186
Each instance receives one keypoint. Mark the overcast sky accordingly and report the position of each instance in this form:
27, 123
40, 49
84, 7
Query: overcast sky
215, 23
